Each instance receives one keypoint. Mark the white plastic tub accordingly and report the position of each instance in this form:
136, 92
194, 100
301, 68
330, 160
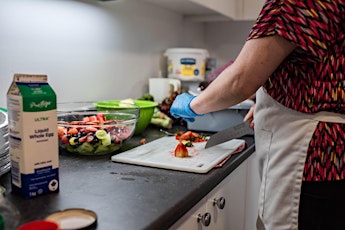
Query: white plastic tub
186, 64
220, 120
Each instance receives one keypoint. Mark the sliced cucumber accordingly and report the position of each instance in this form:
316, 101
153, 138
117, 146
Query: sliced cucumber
106, 140
101, 134
101, 149
70, 148
114, 147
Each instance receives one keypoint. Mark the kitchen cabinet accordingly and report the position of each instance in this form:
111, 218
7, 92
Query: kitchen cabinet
252, 192
213, 10
222, 208
197, 218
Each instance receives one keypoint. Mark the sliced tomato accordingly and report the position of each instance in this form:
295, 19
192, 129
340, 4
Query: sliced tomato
89, 129
77, 123
143, 141
186, 136
64, 139
86, 119
82, 139
178, 135
92, 118
72, 131
190, 136
61, 131
100, 117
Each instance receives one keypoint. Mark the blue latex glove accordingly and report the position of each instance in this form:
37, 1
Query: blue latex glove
181, 108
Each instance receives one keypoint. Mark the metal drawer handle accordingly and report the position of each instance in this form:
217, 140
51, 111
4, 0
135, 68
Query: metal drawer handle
205, 219
219, 202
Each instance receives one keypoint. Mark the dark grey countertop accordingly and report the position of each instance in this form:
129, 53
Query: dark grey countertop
124, 196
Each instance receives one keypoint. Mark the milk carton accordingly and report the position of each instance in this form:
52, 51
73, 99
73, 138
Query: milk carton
32, 122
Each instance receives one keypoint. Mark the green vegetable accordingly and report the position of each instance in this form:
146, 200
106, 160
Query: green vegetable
147, 97
85, 148
101, 134
161, 119
104, 137
101, 149
164, 123
106, 149
69, 148
106, 140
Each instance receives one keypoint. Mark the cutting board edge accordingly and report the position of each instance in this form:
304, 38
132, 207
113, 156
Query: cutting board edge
191, 170
123, 158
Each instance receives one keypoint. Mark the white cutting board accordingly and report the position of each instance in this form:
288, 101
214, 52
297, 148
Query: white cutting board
159, 154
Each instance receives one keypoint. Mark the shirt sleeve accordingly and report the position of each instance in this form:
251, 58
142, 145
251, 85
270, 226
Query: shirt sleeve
312, 25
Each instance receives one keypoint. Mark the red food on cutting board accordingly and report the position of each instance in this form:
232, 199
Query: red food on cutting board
181, 150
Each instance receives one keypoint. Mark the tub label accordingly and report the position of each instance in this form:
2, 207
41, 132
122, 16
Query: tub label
186, 63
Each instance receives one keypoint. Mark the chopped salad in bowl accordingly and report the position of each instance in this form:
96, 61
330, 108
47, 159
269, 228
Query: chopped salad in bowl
95, 132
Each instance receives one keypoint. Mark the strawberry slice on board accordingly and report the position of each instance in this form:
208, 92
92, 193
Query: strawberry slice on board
181, 150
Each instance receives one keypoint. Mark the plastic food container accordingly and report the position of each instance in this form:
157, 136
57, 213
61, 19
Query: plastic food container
220, 120
145, 114
74, 219
39, 225
186, 64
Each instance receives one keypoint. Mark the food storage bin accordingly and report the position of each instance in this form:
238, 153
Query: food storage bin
220, 120
186, 64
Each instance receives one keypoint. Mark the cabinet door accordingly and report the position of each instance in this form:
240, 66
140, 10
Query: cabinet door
252, 192
225, 205
192, 220
231, 214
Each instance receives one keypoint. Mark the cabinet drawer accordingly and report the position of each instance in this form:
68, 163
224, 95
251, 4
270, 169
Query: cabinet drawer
222, 209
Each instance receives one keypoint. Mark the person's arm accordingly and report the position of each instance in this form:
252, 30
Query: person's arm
254, 65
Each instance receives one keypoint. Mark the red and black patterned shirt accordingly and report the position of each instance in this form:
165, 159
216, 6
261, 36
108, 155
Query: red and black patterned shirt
312, 77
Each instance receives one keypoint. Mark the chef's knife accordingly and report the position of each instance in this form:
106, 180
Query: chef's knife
230, 133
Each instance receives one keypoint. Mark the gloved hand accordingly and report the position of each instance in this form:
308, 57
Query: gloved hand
181, 107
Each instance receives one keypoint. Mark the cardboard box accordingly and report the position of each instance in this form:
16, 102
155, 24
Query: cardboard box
33, 138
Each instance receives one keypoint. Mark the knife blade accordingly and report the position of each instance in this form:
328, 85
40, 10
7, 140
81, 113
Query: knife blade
230, 133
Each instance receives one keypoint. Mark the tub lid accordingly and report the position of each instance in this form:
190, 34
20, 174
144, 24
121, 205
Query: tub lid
74, 218
186, 51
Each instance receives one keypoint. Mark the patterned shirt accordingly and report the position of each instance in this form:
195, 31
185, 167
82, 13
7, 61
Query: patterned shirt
312, 77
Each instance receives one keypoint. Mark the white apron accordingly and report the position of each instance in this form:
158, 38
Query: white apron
282, 137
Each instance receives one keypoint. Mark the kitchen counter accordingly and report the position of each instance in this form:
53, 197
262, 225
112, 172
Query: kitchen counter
124, 196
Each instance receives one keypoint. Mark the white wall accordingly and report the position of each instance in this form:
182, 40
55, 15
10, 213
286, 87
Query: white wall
90, 50
94, 50
225, 39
